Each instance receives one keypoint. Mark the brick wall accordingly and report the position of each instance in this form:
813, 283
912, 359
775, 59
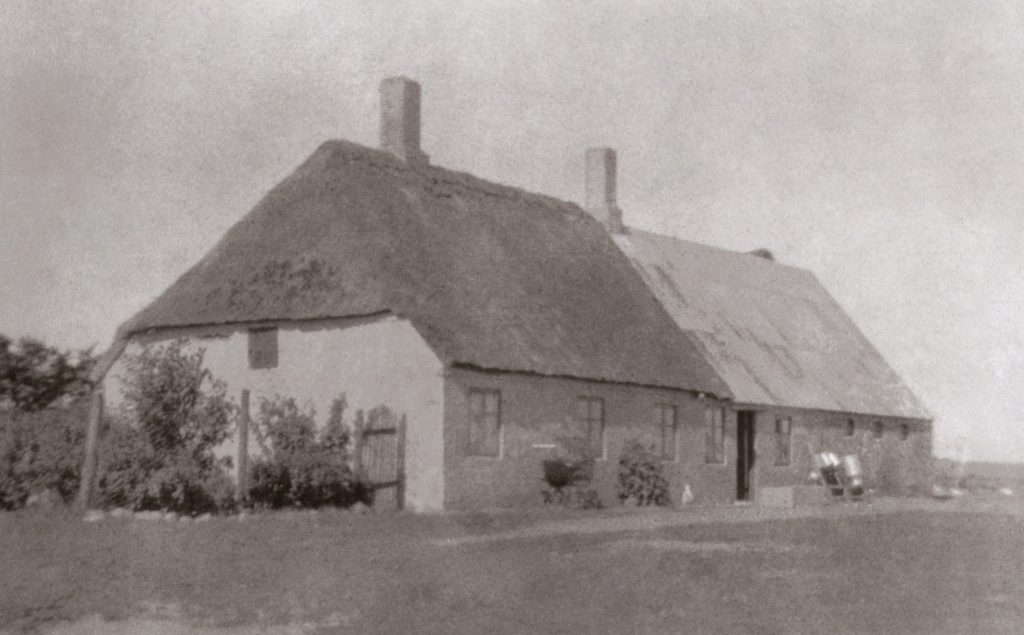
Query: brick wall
537, 410
892, 465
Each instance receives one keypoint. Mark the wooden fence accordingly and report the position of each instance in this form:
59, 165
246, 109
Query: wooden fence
379, 455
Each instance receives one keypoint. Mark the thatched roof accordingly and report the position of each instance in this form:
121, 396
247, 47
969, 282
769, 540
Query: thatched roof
770, 330
492, 277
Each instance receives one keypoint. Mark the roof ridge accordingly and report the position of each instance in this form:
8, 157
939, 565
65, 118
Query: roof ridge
724, 250
378, 158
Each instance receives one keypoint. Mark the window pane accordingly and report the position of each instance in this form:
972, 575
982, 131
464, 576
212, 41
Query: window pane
597, 439
490, 425
714, 435
783, 426
484, 423
667, 416
263, 348
721, 435
582, 409
708, 435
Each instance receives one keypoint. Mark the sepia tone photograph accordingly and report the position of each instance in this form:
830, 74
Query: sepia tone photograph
511, 317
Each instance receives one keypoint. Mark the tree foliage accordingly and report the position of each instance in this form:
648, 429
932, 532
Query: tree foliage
34, 375
40, 452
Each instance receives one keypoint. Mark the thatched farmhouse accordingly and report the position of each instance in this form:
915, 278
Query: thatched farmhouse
500, 322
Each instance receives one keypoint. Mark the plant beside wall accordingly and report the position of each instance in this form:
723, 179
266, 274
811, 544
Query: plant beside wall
40, 455
641, 481
158, 453
302, 467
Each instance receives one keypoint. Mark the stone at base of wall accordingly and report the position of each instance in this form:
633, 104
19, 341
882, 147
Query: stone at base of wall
795, 496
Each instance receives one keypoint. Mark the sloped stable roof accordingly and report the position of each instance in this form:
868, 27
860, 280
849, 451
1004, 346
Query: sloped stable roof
771, 331
491, 276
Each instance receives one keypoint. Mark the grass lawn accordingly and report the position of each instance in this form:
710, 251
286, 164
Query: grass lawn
910, 571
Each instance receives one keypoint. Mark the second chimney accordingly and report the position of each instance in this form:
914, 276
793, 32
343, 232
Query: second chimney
400, 120
600, 180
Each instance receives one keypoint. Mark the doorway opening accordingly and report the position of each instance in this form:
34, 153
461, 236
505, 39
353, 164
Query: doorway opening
745, 431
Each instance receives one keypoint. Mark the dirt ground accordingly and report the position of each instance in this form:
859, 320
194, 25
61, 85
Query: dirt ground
886, 566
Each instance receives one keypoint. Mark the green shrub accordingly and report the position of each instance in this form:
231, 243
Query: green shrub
133, 474
300, 467
640, 477
41, 451
158, 454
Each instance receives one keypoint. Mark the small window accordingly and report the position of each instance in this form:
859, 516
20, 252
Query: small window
904, 431
665, 419
851, 427
714, 435
263, 348
878, 431
783, 441
484, 423
590, 416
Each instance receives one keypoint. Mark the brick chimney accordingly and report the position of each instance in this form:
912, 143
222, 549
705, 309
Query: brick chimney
400, 120
600, 179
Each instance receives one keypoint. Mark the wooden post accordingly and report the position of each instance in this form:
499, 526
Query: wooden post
92, 435
400, 467
357, 446
242, 491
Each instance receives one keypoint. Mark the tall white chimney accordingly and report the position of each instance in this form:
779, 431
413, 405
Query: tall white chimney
400, 120
600, 181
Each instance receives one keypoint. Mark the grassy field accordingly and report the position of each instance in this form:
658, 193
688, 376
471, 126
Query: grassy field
909, 571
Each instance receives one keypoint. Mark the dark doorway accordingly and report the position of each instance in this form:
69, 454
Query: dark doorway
745, 455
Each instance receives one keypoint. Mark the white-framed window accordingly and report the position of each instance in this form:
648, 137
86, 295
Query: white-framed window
263, 347
590, 417
783, 441
665, 419
484, 423
714, 435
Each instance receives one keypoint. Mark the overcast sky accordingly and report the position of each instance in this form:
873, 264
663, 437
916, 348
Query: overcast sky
880, 145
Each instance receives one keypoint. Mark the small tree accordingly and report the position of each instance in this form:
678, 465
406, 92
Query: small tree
160, 454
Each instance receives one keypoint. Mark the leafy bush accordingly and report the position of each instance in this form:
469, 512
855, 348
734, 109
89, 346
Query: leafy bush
41, 451
136, 476
640, 477
159, 454
301, 468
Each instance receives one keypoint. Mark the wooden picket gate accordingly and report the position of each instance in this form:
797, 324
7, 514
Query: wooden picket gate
379, 454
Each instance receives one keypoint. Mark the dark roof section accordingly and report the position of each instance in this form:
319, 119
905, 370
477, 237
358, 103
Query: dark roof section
771, 331
491, 276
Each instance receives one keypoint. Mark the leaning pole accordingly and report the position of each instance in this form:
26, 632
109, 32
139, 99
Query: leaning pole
91, 441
